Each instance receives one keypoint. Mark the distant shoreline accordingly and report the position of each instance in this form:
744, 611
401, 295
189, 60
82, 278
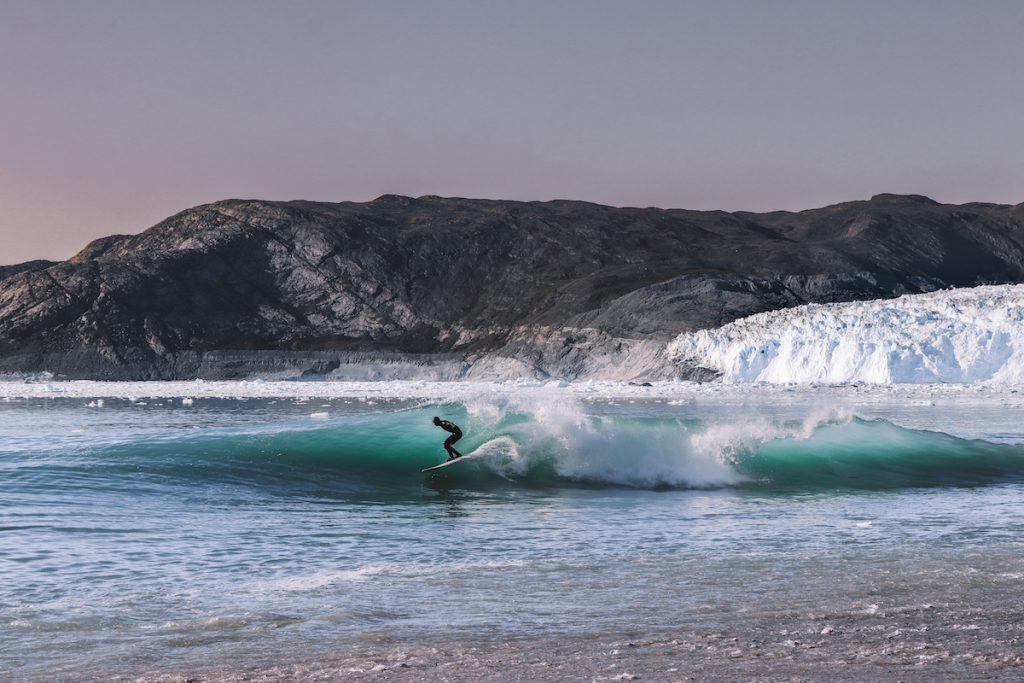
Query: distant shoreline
1011, 394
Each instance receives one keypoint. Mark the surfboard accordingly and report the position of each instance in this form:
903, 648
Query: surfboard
468, 456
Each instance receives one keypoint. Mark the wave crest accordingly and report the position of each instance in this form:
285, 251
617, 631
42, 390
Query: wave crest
546, 443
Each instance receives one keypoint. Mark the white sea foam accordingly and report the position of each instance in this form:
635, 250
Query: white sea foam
956, 336
501, 454
576, 445
320, 579
324, 578
639, 458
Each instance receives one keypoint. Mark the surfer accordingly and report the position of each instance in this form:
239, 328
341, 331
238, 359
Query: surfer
456, 434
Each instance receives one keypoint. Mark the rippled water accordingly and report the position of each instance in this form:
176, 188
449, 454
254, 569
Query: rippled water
155, 535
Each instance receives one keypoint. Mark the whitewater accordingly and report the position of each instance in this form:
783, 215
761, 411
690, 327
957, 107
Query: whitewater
970, 335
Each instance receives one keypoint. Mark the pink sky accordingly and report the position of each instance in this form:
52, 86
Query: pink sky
118, 114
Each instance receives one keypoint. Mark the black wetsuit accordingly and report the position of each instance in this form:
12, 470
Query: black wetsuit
456, 435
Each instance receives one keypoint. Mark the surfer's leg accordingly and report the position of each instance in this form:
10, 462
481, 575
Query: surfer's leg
452, 453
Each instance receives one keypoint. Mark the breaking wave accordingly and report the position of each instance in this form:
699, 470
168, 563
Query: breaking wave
539, 445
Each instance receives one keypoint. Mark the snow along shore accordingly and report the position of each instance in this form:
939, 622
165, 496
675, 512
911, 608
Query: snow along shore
963, 336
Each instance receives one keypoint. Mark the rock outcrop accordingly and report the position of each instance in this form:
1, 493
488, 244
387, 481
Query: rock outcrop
457, 286
8, 271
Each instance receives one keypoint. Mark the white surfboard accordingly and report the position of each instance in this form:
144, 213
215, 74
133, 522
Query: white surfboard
468, 456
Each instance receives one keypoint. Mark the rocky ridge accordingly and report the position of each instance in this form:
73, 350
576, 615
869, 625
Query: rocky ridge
445, 287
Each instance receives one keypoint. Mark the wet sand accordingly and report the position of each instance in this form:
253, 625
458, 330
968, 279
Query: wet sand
962, 642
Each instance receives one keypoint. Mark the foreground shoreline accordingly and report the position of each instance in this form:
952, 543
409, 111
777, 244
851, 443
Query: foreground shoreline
907, 643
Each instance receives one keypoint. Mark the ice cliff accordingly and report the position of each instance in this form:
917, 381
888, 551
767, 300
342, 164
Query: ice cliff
953, 336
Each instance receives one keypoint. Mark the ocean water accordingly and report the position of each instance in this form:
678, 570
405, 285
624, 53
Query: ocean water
171, 536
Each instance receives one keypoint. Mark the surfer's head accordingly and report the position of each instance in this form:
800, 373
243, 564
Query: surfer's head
437, 420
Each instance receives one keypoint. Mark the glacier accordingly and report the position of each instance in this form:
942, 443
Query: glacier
963, 336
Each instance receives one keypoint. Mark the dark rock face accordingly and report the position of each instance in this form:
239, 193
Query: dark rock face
8, 271
411, 279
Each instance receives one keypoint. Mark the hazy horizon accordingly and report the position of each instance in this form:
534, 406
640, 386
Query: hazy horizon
118, 114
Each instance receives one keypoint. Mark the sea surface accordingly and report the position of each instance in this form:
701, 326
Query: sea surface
176, 535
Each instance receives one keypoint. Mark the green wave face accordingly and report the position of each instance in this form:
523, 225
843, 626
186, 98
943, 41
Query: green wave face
879, 454
547, 447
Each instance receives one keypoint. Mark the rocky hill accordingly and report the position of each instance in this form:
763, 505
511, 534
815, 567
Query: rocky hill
442, 287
